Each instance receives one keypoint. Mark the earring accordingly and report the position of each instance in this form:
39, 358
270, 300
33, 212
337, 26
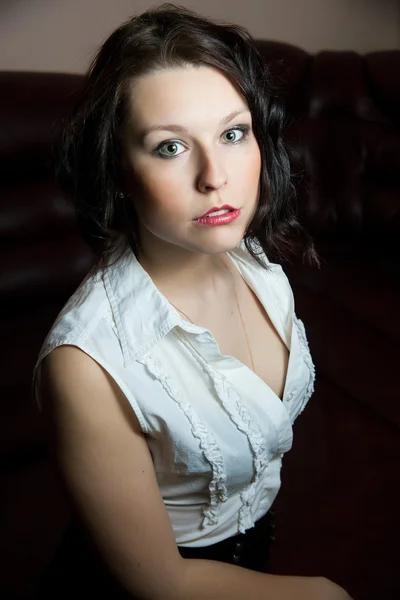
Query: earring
121, 195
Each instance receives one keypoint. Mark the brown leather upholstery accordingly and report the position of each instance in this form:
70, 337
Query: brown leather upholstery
338, 510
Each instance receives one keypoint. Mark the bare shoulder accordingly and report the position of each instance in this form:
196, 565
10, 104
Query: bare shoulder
70, 380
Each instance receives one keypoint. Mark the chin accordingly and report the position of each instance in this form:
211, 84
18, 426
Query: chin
223, 243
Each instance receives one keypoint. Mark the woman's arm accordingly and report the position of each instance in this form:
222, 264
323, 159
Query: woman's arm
212, 580
108, 471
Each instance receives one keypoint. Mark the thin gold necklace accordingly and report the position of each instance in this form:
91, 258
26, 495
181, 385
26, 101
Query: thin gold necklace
240, 313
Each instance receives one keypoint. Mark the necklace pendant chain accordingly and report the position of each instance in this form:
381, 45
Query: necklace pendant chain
244, 328
240, 314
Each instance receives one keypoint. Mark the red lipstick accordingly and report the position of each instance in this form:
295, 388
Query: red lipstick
216, 208
228, 215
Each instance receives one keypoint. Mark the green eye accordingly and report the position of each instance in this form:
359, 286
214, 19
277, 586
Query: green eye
234, 135
169, 149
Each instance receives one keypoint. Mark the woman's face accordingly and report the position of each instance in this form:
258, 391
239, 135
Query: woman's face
189, 146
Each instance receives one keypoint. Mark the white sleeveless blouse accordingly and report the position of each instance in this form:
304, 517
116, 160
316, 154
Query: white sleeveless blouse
216, 431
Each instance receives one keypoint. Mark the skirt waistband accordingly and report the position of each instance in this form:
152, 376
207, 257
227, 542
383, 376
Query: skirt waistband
249, 549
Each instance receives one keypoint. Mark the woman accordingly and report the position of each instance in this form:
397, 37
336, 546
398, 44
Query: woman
173, 375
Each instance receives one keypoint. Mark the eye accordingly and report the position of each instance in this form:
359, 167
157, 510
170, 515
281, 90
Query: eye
235, 134
168, 149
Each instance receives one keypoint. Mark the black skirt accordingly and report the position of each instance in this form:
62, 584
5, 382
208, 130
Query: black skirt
77, 570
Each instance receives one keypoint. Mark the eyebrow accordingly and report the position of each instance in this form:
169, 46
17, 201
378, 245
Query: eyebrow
180, 129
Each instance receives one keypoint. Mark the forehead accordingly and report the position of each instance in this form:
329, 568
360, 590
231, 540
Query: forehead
184, 95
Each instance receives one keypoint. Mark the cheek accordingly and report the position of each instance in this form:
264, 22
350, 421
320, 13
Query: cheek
247, 169
251, 178
161, 196
254, 166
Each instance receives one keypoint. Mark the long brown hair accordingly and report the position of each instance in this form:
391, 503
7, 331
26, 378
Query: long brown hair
90, 161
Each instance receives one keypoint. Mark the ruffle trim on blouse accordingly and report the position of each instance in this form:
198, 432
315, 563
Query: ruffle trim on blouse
241, 417
245, 519
238, 413
306, 355
208, 445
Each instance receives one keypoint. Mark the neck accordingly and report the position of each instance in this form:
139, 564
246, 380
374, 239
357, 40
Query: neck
184, 275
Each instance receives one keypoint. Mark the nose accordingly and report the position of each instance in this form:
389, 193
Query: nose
212, 175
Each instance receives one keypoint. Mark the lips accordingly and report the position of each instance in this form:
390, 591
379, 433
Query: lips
217, 208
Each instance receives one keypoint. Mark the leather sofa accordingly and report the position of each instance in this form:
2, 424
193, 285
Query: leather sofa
338, 510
